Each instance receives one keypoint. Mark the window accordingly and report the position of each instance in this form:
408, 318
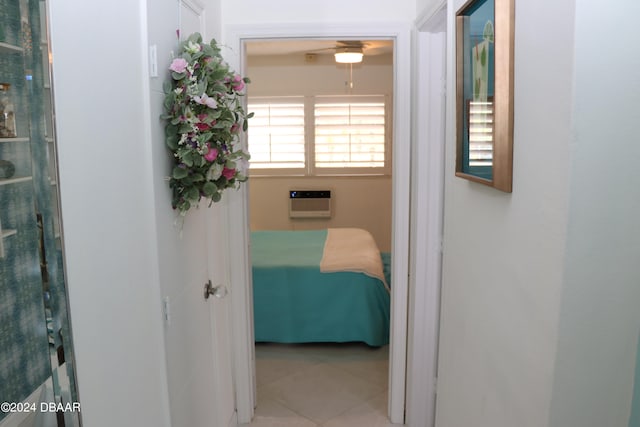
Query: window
319, 135
276, 133
350, 134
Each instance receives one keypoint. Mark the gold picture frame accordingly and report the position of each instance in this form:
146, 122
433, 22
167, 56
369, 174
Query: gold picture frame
484, 92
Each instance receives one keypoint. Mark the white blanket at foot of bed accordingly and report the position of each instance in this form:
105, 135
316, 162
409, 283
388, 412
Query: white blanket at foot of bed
352, 249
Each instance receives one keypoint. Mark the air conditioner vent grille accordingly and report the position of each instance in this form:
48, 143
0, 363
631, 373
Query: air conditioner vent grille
309, 204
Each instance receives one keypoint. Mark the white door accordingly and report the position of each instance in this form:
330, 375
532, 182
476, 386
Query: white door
223, 400
214, 383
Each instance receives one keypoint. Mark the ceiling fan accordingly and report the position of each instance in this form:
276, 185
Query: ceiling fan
347, 51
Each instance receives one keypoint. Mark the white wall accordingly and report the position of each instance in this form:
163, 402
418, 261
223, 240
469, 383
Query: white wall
329, 11
600, 312
540, 288
102, 117
504, 253
363, 202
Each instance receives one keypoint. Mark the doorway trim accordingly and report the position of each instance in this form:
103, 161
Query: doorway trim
242, 300
427, 214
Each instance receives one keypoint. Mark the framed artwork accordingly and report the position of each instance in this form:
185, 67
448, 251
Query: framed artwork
484, 87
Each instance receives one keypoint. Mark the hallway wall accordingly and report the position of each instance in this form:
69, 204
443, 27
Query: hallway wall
540, 295
503, 253
329, 11
599, 316
101, 87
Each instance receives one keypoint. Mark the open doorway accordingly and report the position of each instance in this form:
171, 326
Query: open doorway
321, 145
238, 215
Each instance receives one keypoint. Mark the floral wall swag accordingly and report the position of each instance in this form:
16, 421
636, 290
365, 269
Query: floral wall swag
204, 119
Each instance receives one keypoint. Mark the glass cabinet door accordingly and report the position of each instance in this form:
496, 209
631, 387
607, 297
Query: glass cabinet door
37, 373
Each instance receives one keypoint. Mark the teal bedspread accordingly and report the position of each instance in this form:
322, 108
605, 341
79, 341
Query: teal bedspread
294, 302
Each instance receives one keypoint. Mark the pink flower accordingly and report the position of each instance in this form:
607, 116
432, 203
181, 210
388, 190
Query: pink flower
178, 65
238, 87
202, 126
228, 173
238, 83
211, 155
234, 128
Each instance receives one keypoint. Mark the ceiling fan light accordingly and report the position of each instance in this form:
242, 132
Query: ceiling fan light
349, 56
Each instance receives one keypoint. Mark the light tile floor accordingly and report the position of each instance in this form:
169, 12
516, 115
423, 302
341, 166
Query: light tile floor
328, 385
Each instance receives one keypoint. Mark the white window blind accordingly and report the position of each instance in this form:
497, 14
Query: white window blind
276, 133
318, 135
350, 132
480, 133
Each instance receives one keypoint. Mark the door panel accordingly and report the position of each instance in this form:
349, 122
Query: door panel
206, 396
220, 316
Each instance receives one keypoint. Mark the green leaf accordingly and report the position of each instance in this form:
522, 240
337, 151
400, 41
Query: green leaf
184, 128
195, 38
209, 189
187, 159
179, 173
169, 100
192, 194
170, 130
216, 197
172, 142
205, 137
218, 74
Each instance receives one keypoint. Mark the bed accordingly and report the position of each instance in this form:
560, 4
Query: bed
319, 286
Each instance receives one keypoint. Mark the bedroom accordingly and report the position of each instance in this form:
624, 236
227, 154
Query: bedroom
295, 73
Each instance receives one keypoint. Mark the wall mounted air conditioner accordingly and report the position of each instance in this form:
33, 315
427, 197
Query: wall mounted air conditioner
309, 204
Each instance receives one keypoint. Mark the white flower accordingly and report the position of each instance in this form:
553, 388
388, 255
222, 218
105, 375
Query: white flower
192, 47
205, 99
215, 171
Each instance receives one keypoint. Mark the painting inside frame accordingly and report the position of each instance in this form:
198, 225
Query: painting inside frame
484, 84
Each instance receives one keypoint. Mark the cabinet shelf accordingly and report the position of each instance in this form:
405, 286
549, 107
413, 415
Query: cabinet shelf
15, 180
14, 139
10, 48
